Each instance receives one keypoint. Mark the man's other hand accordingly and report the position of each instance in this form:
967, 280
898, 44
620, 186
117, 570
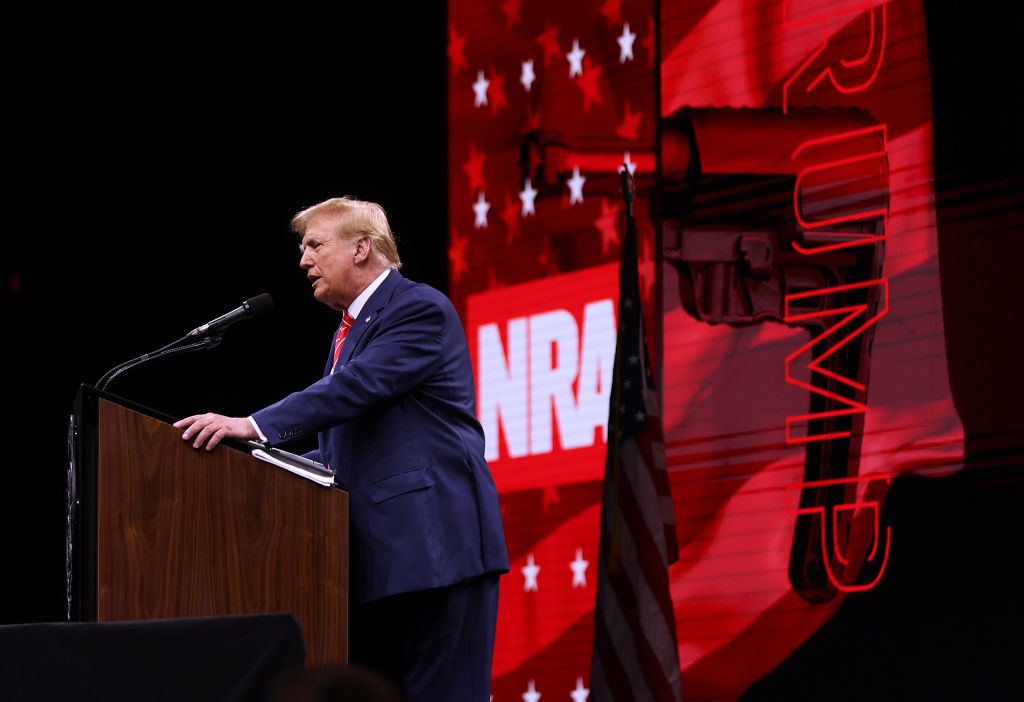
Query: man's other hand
208, 429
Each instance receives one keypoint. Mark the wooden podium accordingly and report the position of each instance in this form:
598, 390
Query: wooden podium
157, 530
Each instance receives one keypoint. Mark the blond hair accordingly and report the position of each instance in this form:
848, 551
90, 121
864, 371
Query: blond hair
354, 220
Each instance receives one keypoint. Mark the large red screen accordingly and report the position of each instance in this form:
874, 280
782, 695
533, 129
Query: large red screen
789, 269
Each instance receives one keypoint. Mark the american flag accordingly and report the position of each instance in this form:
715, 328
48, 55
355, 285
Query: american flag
635, 650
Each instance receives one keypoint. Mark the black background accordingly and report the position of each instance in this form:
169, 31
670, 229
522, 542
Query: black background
154, 169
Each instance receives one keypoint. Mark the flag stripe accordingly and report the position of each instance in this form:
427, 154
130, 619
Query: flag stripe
613, 675
668, 513
652, 634
642, 594
650, 594
648, 556
625, 596
659, 475
644, 492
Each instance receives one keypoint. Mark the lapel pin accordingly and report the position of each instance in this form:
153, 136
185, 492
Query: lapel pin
367, 320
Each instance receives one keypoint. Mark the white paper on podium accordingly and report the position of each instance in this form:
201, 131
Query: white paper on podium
293, 463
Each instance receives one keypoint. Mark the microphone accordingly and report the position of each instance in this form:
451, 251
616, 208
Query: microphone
251, 308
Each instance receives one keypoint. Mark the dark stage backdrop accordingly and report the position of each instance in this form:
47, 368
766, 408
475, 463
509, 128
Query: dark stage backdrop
153, 174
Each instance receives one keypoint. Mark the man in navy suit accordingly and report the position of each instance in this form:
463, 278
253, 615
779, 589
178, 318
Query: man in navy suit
395, 416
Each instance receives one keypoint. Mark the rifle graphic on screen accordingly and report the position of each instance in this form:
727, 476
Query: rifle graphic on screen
772, 217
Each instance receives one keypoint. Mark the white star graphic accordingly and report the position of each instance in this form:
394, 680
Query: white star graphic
626, 44
579, 569
580, 694
481, 206
576, 186
640, 416
527, 77
530, 571
531, 694
480, 88
634, 359
575, 59
526, 196
627, 164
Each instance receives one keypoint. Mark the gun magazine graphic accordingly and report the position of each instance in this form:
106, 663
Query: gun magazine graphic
781, 217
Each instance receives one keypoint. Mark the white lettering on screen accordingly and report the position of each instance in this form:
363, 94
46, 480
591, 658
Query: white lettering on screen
526, 385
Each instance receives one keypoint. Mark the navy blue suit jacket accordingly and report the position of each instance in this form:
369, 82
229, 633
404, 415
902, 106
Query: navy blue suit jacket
397, 421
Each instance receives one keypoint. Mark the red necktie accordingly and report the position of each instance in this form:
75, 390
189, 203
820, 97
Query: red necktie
339, 338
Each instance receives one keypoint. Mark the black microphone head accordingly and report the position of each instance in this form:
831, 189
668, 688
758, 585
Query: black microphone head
259, 305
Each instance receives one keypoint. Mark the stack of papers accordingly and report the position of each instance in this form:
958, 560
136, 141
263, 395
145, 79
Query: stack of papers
293, 463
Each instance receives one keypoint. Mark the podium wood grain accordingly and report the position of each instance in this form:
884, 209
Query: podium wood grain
187, 533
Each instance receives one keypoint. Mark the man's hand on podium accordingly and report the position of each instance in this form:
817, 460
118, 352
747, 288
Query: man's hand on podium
210, 428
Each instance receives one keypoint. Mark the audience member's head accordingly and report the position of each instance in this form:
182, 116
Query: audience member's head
335, 684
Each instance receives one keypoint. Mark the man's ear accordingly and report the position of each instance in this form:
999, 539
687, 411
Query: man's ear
363, 249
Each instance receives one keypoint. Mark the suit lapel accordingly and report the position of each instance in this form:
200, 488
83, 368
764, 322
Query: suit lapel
368, 315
